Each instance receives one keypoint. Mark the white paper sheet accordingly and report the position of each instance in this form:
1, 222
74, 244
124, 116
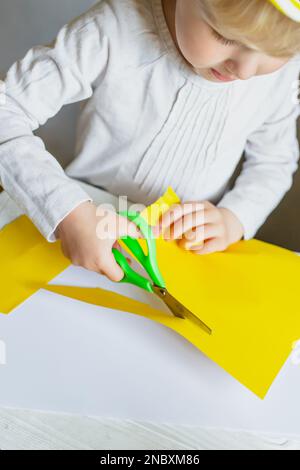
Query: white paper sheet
68, 356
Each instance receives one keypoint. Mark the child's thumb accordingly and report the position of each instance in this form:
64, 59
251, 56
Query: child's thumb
112, 269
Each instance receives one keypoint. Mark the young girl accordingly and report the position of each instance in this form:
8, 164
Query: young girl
175, 91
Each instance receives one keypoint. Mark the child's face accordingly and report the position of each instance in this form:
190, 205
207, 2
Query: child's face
205, 50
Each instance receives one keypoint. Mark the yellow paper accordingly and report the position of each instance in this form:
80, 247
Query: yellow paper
28, 262
247, 295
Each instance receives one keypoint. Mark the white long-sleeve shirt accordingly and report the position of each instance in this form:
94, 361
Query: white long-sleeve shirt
148, 121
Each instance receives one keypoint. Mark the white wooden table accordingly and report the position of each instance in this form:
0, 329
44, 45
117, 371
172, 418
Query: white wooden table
23, 429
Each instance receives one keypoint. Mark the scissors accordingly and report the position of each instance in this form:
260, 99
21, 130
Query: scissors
149, 262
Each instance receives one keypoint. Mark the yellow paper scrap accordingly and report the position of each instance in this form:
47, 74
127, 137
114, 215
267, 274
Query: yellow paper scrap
152, 213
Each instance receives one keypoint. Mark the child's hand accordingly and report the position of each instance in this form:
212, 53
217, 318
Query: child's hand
200, 227
87, 238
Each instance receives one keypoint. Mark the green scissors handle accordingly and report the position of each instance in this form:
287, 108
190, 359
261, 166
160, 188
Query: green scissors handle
148, 261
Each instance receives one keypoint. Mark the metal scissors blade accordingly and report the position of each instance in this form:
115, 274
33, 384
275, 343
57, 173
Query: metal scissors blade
177, 308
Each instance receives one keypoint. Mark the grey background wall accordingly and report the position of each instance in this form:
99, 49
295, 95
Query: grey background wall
25, 23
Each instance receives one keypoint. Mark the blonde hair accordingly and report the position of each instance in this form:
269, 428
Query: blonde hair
254, 23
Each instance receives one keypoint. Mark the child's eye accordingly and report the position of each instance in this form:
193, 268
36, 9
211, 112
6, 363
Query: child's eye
226, 42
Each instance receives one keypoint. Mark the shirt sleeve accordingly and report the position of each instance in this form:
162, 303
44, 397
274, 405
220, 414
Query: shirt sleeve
271, 156
34, 90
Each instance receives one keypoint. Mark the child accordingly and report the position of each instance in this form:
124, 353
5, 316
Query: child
175, 90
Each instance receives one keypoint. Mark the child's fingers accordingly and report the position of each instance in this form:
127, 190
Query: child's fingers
198, 235
192, 221
195, 236
177, 211
112, 226
185, 225
210, 246
117, 246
